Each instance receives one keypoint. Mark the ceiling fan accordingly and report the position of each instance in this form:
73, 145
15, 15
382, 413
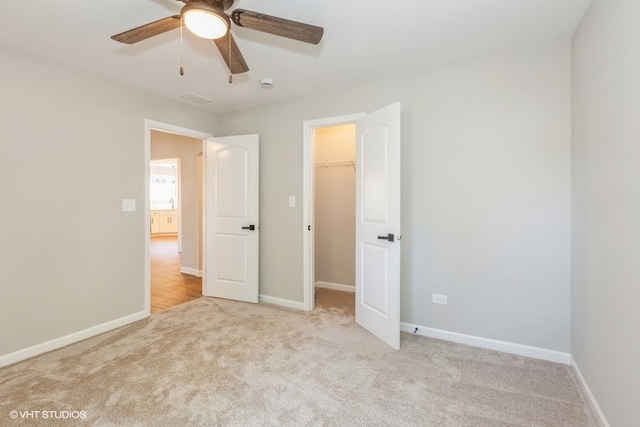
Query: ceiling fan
207, 19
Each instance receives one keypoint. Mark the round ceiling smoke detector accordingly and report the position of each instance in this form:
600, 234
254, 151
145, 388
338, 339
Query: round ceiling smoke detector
266, 83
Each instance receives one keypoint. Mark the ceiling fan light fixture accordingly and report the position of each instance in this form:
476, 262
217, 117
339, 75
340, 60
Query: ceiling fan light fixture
205, 21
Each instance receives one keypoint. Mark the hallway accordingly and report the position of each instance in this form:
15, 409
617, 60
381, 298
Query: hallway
169, 287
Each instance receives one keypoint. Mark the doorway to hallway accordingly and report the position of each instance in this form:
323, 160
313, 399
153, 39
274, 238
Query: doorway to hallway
185, 145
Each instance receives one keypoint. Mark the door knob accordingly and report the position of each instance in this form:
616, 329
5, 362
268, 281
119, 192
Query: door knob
251, 227
390, 237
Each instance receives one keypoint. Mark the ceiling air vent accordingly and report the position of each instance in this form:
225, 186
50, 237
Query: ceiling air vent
195, 98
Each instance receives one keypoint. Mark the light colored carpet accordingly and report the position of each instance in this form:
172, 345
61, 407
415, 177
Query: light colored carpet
217, 362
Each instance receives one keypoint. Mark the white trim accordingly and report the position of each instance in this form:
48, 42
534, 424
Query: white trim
164, 127
57, 343
308, 166
282, 302
591, 399
204, 216
191, 271
490, 344
336, 286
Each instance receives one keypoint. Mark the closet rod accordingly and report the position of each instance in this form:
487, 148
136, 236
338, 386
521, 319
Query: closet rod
335, 164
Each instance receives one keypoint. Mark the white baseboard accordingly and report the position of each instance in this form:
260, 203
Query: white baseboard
191, 271
336, 286
590, 397
490, 344
56, 343
282, 302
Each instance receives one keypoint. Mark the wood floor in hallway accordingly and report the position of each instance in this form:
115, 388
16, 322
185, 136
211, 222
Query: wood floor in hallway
169, 287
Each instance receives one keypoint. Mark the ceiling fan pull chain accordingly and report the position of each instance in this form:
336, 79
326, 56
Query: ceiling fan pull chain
181, 48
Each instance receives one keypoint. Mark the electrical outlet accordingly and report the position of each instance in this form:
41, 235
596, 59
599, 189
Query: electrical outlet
439, 299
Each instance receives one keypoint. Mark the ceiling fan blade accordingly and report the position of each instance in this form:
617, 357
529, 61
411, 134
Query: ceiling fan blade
235, 61
149, 30
277, 26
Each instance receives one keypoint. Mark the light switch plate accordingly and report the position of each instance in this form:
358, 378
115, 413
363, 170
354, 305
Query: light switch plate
292, 201
128, 205
439, 299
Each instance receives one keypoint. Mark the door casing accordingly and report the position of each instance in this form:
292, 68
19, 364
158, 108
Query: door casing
150, 125
308, 300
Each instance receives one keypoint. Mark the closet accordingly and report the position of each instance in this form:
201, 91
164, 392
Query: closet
334, 207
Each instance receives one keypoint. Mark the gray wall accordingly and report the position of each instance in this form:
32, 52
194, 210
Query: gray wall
606, 207
486, 192
72, 147
165, 146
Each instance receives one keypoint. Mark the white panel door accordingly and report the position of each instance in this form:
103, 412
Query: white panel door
378, 224
232, 218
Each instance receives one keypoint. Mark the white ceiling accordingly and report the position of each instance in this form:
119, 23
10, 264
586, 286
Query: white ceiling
363, 39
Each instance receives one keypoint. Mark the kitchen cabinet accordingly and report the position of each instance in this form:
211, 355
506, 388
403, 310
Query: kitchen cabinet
155, 222
164, 222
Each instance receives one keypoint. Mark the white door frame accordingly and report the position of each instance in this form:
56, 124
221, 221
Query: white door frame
150, 125
308, 268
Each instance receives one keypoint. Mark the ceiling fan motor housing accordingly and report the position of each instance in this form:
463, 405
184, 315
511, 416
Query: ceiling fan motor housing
221, 4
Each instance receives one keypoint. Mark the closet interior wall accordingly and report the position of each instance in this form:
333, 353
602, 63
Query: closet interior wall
334, 206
